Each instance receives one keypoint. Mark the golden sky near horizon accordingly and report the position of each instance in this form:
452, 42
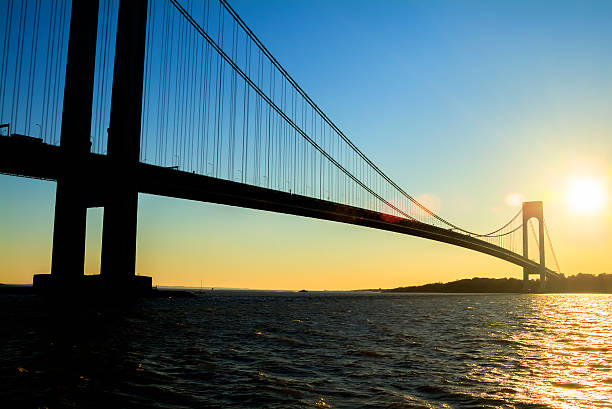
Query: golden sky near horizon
187, 243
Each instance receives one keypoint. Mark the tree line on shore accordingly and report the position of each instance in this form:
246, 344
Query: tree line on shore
578, 283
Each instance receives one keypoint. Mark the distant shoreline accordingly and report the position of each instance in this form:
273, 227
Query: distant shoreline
576, 284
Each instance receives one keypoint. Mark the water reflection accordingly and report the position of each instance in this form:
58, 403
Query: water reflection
571, 349
282, 350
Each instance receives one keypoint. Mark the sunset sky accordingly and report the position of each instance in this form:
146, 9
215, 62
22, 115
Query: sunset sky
469, 106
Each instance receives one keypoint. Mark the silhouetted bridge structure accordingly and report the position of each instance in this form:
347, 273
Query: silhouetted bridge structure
190, 104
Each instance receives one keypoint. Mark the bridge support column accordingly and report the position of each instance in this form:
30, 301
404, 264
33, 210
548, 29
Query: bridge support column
121, 204
68, 257
534, 209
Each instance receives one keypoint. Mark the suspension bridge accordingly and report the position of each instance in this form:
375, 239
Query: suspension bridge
180, 98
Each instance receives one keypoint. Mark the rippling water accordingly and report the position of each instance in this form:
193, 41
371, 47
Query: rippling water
307, 350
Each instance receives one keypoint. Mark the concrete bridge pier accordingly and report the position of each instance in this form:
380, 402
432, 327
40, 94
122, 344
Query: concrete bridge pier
68, 256
543, 285
543, 282
121, 202
119, 196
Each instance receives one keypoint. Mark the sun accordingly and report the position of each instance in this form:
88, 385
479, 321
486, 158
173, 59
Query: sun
586, 195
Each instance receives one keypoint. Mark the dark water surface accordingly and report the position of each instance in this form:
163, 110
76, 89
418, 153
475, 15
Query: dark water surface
289, 350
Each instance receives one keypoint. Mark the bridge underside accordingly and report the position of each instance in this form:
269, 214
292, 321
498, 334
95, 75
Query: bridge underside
38, 160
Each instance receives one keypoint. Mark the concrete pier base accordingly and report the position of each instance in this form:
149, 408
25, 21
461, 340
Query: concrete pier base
93, 287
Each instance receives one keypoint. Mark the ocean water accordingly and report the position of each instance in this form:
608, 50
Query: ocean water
247, 349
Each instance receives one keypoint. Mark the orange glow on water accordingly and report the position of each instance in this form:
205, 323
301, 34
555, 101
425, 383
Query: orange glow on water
573, 348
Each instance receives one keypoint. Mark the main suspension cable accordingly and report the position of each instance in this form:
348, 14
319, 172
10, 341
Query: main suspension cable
290, 79
552, 249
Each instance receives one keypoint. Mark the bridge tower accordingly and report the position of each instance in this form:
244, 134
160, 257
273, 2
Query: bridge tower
68, 257
531, 210
119, 191
121, 200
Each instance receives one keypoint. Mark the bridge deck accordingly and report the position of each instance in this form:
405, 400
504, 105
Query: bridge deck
39, 160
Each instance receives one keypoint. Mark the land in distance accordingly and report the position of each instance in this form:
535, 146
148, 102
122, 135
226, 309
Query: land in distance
578, 283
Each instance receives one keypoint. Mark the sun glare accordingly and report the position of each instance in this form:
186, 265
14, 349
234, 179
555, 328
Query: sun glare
515, 199
586, 195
